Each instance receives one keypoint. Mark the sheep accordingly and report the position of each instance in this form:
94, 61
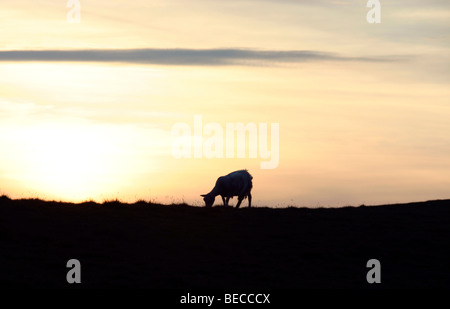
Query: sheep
238, 183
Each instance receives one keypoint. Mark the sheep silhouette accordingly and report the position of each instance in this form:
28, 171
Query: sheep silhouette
237, 183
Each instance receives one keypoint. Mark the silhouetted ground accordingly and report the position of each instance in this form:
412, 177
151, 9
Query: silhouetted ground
154, 246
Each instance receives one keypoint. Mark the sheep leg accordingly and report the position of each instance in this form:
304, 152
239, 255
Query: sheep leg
249, 200
228, 199
225, 202
239, 202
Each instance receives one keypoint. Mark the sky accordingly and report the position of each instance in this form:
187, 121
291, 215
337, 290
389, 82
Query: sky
88, 109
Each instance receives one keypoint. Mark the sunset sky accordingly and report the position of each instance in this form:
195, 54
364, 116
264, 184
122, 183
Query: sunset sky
87, 109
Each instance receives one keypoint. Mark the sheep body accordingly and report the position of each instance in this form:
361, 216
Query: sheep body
238, 183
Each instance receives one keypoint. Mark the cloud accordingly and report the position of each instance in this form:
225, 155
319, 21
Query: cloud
210, 57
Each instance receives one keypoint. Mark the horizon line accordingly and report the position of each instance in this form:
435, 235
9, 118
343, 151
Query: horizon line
142, 201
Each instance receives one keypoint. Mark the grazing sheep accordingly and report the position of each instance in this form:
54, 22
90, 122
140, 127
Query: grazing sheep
238, 183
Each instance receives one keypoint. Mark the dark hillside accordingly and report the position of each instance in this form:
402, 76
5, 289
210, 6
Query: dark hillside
154, 246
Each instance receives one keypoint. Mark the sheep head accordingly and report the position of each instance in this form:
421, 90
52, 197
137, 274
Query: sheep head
208, 199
